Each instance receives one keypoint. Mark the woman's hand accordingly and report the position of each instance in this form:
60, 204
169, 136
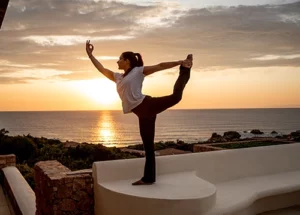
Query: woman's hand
89, 48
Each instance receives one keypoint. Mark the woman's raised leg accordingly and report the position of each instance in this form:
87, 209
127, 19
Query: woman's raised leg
159, 104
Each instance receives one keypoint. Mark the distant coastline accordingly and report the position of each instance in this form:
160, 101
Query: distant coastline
113, 128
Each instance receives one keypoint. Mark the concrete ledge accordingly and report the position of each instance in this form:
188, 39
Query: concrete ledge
273, 203
241, 196
242, 178
20, 193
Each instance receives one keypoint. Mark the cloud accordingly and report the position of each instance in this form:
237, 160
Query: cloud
7, 80
162, 16
6, 63
69, 40
276, 57
229, 35
27, 75
101, 58
39, 73
50, 35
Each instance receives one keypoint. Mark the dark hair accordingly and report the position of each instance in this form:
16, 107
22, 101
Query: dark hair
135, 60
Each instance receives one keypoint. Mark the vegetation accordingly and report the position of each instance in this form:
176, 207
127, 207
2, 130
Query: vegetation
179, 144
249, 144
29, 150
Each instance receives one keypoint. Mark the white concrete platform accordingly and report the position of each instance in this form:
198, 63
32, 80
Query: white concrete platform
169, 186
286, 211
232, 182
175, 189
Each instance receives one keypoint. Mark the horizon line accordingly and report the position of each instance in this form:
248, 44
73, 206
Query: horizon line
166, 110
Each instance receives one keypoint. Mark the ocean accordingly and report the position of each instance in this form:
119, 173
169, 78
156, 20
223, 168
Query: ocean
113, 128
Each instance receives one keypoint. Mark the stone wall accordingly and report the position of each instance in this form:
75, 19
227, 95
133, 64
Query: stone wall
205, 148
7, 160
59, 191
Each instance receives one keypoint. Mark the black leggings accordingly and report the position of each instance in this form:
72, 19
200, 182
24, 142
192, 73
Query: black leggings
147, 111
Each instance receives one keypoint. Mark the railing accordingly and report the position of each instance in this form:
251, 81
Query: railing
21, 196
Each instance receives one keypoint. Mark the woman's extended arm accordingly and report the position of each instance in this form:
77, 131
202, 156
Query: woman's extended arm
106, 72
148, 70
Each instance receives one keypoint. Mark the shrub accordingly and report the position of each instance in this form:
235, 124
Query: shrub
28, 173
23, 147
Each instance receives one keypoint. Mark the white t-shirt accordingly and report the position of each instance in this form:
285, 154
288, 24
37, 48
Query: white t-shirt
130, 88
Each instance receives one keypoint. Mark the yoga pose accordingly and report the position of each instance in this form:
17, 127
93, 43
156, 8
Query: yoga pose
129, 87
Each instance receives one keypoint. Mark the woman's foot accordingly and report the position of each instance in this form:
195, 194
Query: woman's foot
140, 182
188, 62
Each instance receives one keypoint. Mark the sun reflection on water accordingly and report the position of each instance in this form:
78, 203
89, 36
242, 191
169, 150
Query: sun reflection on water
106, 130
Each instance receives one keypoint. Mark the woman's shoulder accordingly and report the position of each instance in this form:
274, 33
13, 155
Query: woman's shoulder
118, 76
139, 68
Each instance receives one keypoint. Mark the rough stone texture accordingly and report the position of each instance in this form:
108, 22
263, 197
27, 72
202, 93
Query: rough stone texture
7, 160
205, 148
256, 131
215, 138
60, 191
231, 135
295, 136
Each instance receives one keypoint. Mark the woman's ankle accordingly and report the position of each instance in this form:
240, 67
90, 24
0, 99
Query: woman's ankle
185, 69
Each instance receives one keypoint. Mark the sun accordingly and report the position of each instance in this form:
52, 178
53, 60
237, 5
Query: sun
101, 91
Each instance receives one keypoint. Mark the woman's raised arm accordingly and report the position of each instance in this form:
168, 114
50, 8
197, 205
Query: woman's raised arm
106, 72
148, 70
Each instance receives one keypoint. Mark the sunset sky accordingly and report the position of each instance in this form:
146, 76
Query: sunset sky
246, 52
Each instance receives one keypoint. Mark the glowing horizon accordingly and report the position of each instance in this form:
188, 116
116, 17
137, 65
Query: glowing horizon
246, 53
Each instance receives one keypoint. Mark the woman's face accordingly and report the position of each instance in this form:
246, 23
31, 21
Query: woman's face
122, 63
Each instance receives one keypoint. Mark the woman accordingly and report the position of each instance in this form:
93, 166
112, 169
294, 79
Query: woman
129, 87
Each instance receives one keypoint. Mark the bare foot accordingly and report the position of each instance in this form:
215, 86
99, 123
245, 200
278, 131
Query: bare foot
140, 182
188, 62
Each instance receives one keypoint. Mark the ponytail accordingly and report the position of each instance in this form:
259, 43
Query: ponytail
139, 59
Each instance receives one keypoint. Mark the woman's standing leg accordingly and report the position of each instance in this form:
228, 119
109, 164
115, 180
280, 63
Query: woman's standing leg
147, 131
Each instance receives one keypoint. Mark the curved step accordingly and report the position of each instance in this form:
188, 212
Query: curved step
175, 193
